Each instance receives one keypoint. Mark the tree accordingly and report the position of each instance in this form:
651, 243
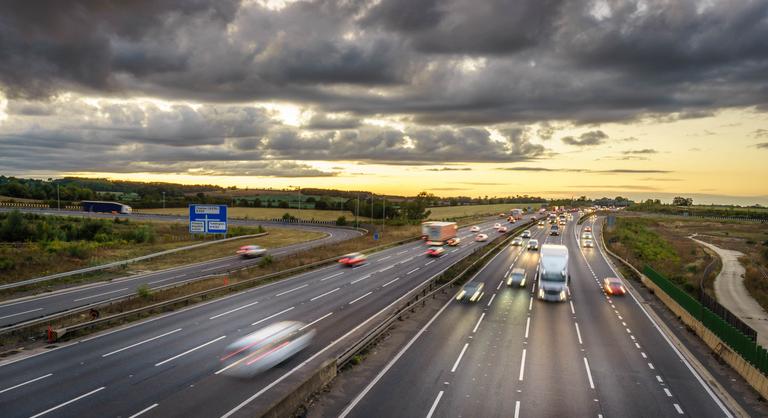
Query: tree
15, 228
682, 201
283, 204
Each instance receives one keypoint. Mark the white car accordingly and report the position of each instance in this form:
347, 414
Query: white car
265, 348
587, 243
517, 242
587, 235
526, 233
497, 226
474, 229
248, 251
503, 229
481, 237
533, 245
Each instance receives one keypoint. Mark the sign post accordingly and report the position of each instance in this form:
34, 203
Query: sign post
207, 219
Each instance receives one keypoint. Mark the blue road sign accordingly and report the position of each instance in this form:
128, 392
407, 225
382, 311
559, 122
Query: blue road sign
208, 219
375, 236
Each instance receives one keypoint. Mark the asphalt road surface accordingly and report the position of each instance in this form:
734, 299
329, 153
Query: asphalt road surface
20, 310
167, 366
512, 355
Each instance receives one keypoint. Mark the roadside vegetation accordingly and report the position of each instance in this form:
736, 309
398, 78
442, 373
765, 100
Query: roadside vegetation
33, 245
685, 206
664, 245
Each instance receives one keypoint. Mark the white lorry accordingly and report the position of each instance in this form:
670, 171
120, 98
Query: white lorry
552, 276
438, 233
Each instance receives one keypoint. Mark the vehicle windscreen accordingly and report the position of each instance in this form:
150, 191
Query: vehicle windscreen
552, 276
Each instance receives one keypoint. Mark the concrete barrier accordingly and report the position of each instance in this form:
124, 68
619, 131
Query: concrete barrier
287, 406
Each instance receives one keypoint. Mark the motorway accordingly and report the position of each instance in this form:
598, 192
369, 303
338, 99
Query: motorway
28, 308
167, 366
512, 355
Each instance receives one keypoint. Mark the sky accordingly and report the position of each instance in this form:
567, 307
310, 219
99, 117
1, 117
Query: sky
552, 98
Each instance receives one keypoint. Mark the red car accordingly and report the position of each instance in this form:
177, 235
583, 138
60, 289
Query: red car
435, 251
613, 286
352, 259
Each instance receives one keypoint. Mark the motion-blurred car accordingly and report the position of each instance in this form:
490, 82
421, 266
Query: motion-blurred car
613, 286
587, 243
249, 251
453, 241
502, 215
554, 230
265, 348
435, 251
474, 229
502, 229
481, 237
587, 235
472, 292
587, 228
517, 241
533, 245
497, 225
526, 233
517, 277
541, 223
352, 259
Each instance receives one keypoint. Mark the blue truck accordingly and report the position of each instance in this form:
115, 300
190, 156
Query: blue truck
105, 207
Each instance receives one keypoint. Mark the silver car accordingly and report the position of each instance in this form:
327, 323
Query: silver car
526, 233
265, 348
533, 245
517, 277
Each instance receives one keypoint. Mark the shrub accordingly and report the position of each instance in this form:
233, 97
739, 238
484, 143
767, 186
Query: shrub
78, 249
265, 261
143, 291
6, 264
341, 221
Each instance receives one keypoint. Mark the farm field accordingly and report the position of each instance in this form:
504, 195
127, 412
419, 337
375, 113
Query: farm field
268, 213
444, 212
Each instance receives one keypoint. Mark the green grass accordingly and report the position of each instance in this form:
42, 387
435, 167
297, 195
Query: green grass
268, 213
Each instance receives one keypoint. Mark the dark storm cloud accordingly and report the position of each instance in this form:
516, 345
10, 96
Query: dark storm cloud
583, 170
586, 139
323, 122
763, 145
450, 169
760, 133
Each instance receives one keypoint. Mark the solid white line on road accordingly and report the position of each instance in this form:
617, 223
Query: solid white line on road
530, 304
316, 321
360, 298
21, 313
101, 294
414, 270
140, 343
360, 279
294, 289
233, 310
669, 394
527, 326
678, 409
324, 294
478, 322
190, 350
522, 368
517, 409
499, 286
68, 402
26, 383
589, 374
272, 316
491, 301
434, 404
390, 282
578, 333
147, 409
573, 311
331, 276
458, 360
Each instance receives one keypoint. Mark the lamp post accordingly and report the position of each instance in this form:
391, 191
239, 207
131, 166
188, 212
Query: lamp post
163, 200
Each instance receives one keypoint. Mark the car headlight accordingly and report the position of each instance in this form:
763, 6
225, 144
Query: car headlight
461, 295
562, 295
522, 283
509, 281
541, 293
